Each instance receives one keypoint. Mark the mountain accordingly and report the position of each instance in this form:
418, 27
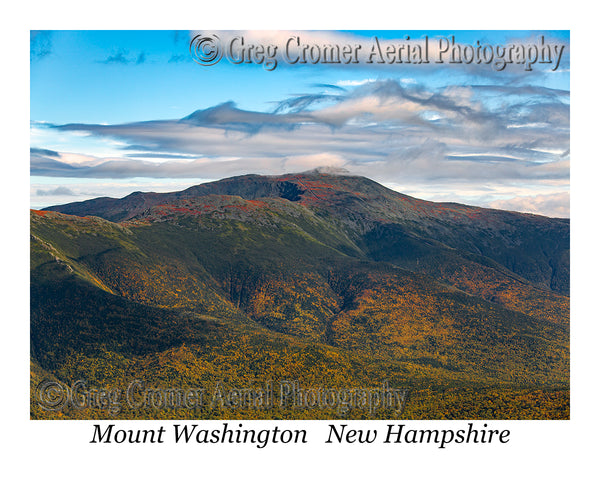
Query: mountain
328, 279
385, 223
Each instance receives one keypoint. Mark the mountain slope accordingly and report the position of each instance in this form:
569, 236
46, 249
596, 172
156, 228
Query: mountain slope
301, 271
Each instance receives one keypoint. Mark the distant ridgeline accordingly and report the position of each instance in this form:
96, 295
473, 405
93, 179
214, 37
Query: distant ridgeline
333, 282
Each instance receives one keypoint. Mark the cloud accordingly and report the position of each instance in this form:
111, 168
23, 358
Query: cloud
54, 192
41, 152
227, 115
175, 58
354, 83
302, 102
122, 57
554, 205
119, 169
319, 161
159, 155
40, 44
382, 119
194, 168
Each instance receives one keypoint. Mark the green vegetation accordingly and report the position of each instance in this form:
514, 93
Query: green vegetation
340, 285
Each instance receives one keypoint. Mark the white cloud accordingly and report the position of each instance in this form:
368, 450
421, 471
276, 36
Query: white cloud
302, 163
353, 83
552, 205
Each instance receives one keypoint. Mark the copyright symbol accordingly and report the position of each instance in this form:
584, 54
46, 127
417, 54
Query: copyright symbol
51, 395
206, 49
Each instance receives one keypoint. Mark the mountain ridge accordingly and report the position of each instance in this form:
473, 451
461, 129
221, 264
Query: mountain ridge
314, 174
364, 206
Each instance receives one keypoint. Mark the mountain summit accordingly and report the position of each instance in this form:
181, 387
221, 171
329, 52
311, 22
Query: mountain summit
384, 224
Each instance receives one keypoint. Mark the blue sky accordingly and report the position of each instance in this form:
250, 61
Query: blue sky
117, 111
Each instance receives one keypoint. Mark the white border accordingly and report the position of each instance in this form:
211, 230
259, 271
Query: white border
547, 449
